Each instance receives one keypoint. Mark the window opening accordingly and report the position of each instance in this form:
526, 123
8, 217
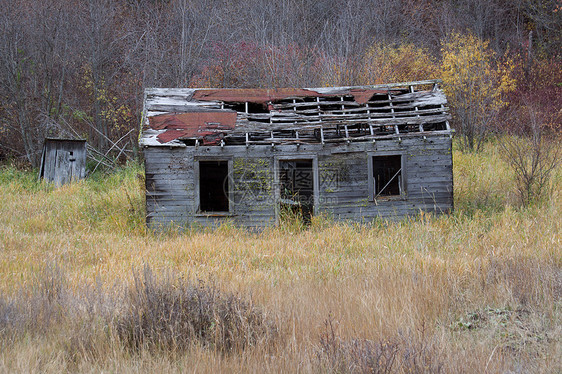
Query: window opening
297, 187
213, 186
387, 175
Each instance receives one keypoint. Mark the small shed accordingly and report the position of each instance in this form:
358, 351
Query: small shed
63, 160
248, 155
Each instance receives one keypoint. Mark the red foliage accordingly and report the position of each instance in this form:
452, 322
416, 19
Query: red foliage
539, 90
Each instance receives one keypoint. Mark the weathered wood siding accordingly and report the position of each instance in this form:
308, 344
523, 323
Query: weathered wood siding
341, 179
63, 161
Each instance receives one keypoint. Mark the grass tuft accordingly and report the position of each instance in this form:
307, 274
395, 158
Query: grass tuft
172, 314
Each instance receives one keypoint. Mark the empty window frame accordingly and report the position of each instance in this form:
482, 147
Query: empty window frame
386, 175
213, 186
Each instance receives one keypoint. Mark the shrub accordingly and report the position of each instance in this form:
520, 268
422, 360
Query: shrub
532, 152
8, 317
36, 309
355, 355
402, 353
163, 313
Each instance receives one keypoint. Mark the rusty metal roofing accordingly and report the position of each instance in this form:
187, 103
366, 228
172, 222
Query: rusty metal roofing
211, 116
208, 125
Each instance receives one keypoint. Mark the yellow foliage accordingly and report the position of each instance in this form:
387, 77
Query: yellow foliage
469, 68
111, 111
475, 81
383, 63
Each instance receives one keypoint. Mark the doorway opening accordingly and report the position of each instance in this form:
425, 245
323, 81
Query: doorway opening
296, 181
213, 186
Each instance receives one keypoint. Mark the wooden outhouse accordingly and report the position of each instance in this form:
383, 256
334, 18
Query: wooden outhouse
63, 160
247, 155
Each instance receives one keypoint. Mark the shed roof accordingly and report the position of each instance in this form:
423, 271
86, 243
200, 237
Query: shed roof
178, 116
64, 140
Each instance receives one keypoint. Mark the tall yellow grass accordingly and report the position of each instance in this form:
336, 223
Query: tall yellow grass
479, 290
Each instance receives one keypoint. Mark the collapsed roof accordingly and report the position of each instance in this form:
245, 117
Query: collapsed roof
185, 116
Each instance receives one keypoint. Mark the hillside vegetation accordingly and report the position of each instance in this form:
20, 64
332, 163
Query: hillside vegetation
79, 68
84, 286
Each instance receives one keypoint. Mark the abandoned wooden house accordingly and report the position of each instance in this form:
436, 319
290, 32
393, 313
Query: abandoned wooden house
248, 155
63, 160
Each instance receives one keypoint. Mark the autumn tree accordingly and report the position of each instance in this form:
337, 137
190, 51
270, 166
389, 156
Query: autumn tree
475, 81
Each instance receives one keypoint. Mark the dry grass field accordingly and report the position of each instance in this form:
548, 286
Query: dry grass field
84, 287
